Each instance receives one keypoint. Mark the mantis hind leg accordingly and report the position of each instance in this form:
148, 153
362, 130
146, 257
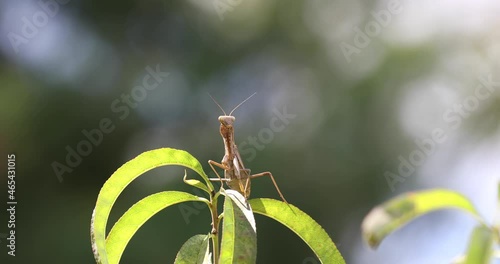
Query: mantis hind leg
267, 173
246, 189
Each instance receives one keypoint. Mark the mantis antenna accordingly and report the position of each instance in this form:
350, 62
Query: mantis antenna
233, 108
242, 103
217, 104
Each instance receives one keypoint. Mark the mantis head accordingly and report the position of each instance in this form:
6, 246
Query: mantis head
228, 120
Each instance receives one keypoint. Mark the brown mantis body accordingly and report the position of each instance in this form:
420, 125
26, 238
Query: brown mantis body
236, 176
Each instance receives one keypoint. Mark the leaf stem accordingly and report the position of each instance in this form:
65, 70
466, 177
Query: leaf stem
215, 226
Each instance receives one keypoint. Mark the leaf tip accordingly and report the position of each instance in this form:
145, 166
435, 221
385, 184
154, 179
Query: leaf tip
372, 225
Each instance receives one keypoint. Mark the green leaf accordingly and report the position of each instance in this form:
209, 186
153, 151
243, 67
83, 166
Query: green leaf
194, 251
393, 214
302, 225
239, 238
480, 246
196, 183
123, 177
242, 203
137, 215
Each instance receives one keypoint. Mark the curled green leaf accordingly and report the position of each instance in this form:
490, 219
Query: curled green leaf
480, 246
196, 250
393, 214
196, 183
302, 225
137, 215
239, 238
123, 177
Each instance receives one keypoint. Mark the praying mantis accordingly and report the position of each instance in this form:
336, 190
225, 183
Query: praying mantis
236, 176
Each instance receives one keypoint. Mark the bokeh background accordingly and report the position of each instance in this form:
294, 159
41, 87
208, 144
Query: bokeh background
363, 79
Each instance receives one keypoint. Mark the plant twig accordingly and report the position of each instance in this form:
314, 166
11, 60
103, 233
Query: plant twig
215, 227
